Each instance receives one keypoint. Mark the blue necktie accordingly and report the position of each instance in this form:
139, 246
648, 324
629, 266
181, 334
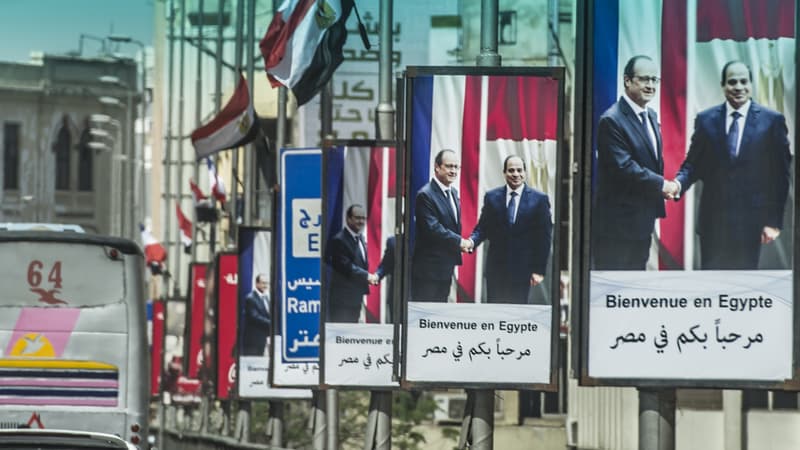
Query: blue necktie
512, 205
646, 128
733, 134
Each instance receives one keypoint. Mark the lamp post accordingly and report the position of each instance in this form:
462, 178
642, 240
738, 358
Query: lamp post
138, 156
126, 228
106, 144
129, 225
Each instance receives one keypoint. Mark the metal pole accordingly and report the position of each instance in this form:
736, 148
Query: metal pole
326, 128
656, 419
249, 167
488, 55
198, 117
552, 44
140, 156
379, 419
235, 153
278, 421
127, 176
318, 420
481, 419
167, 186
176, 273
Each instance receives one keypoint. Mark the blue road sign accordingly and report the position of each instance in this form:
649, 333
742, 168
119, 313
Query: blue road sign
300, 215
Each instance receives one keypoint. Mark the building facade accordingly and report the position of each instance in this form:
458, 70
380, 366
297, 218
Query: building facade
67, 140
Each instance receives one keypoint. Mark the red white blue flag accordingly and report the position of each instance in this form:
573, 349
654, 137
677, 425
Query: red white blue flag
691, 41
484, 119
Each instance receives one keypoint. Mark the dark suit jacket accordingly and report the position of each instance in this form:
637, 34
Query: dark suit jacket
629, 175
742, 195
256, 325
386, 269
386, 266
348, 282
516, 251
437, 242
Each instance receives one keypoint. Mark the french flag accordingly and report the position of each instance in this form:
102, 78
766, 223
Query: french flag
484, 119
691, 41
365, 175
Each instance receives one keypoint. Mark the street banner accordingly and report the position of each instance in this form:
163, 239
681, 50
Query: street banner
483, 198
689, 239
255, 253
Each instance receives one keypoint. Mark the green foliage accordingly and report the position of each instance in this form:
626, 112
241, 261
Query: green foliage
409, 409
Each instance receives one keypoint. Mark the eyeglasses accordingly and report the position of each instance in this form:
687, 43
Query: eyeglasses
451, 166
648, 80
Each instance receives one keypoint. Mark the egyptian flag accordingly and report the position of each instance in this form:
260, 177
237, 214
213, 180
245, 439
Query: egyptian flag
303, 45
691, 41
235, 125
365, 175
154, 253
185, 228
484, 119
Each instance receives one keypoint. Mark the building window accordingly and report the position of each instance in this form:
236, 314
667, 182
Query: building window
61, 150
85, 160
11, 156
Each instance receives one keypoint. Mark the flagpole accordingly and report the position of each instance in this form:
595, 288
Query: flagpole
249, 209
378, 435
478, 425
165, 204
235, 152
331, 395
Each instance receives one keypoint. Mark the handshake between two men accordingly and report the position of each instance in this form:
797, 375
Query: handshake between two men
468, 246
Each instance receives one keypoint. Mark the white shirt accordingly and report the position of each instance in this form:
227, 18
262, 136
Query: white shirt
449, 193
741, 120
358, 242
638, 110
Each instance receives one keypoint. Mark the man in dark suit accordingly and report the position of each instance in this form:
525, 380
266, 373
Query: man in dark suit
740, 151
630, 188
437, 241
256, 319
386, 268
346, 253
517, 222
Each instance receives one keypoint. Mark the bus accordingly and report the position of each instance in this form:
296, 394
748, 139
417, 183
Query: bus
73, 334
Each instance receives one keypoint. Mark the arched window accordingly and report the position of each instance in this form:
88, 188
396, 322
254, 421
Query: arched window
61, 150
85, 161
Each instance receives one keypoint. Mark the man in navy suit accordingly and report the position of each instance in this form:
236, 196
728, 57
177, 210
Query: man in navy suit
740, 151
346, 253
630, 188
386, 268
437, 240
256, 319
517, 222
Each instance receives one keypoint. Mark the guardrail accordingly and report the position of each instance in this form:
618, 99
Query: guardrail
191, 440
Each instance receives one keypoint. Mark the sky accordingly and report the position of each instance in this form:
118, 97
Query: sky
55, 26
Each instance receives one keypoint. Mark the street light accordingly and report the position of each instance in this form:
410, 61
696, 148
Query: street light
142, 108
